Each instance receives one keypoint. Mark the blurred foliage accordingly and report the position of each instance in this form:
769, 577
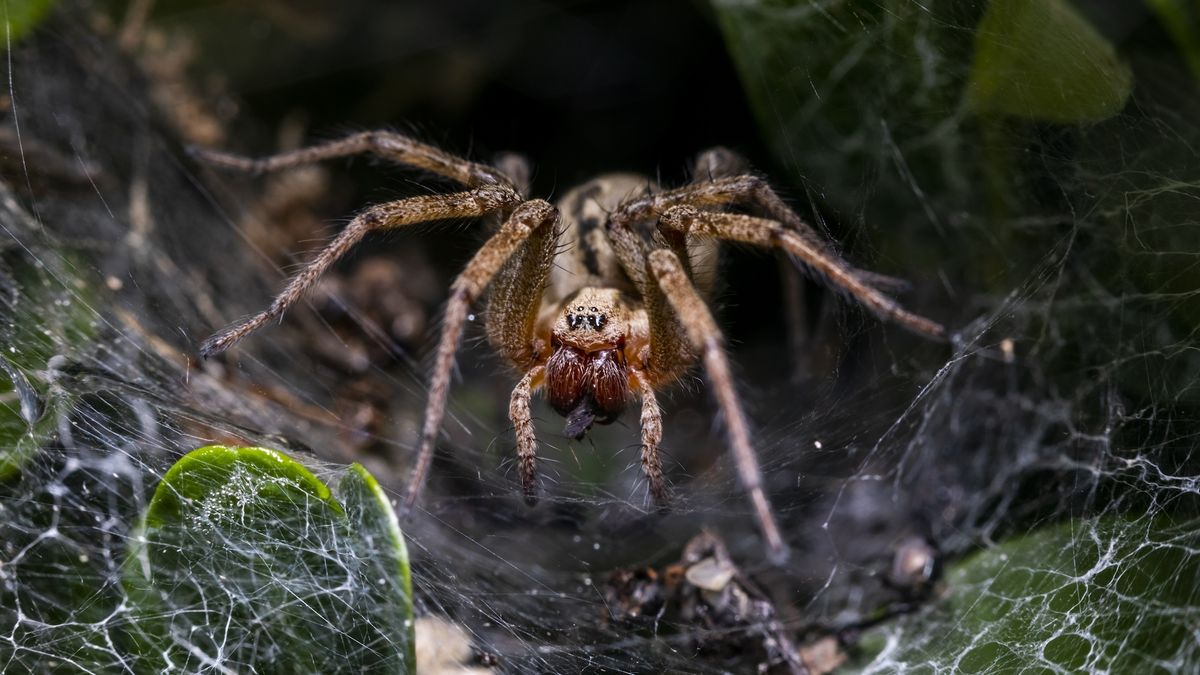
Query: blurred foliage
248, 554
22, 16
889, 110
1181, 19
1041, 60
1038, 159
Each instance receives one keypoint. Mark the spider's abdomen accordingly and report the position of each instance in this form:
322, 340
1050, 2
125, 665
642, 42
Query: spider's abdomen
585, 256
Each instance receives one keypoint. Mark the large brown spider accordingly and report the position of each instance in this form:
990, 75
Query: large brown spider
596, 301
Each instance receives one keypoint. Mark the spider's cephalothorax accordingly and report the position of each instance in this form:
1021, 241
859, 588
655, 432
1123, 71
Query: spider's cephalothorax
600, 301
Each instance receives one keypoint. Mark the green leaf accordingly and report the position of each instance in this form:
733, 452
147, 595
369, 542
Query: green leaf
380, 545
50, 315
21, 440
864, 99
245, 558
20, 428
1042, 60
22, 16
1181, 18
1108, 595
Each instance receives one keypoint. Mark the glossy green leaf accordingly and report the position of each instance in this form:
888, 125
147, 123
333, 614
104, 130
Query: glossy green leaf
380, 546
1112, 595
245, 558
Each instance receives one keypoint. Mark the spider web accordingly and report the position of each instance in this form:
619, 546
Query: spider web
1064, 409
1059, 437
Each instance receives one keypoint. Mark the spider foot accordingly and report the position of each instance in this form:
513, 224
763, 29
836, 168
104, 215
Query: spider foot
531, 497
225, 160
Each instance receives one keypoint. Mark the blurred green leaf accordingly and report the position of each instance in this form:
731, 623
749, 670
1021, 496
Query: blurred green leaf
1181, 18
1041, 60
990, 143
867, 104
22, 16
1104, 595
244, 557
862, 103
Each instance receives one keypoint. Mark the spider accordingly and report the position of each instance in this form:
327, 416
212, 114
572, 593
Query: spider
596, 301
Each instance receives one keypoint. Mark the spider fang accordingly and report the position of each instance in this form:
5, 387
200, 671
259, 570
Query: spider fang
586, 387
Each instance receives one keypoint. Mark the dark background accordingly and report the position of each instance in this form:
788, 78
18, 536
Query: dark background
579, 87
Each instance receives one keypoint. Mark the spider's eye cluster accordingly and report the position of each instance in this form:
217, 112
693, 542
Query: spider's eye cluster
585, 318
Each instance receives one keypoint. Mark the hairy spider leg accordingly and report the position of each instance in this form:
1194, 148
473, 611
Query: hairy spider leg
493, 192
768, 233
530, 217
522, 268
669, 355
514, 302
706, 339
388, 145
652, 430
471, 204
520, 413
811, 251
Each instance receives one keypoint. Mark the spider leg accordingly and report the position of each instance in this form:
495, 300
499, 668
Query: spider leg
529, 218
717, 162
522, 418
651, 438
810, 249
511, 320
478, 202
669, 355
516, 299
720, 162
706, 339
386, 144
813, 255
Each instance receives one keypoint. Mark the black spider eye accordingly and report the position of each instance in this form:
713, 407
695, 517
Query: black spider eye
593, 309
592, 320
599, 322
571, 320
